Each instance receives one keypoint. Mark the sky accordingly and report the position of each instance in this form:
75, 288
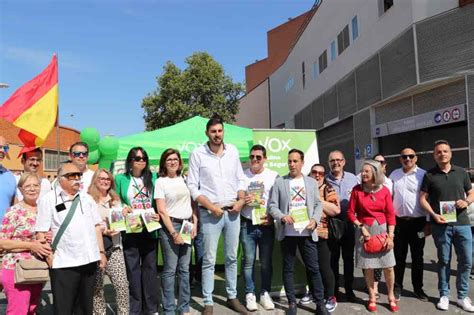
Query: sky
111, 51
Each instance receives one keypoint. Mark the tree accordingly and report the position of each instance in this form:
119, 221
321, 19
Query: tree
202, 89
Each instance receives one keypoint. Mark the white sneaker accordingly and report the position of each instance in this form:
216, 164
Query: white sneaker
266, 301
443, 303
251, 302
466, 304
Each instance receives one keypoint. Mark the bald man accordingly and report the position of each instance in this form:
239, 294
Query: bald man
7, 181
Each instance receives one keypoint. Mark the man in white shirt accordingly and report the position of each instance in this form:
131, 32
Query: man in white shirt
217, 182
79, 249
257, 228
411, 221
79, 155
31, 163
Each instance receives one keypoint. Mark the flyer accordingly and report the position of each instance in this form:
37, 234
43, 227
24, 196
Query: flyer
186, 229
150, 224
116, 220
257, 214
448, 211
134, 223
300, 215
256, 189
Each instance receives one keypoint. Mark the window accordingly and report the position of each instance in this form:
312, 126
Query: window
51, 159
333, 50
343, 39
289, 84
323, 61
384, 6
303, 74
315, 70
355, 28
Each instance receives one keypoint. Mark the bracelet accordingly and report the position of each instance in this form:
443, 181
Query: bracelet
174, 234
101, 252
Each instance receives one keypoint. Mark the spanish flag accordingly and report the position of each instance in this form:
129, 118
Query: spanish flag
34, 107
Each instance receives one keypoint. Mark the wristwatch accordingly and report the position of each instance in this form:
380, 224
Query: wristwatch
360, 226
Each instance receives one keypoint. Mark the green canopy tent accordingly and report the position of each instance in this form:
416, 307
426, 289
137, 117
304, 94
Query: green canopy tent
185, 137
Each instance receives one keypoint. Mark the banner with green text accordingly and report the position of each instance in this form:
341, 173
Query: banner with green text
279, 141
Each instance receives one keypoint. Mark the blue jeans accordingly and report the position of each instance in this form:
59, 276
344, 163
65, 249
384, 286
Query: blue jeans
175, 257
460, 236
212, 227
251, 236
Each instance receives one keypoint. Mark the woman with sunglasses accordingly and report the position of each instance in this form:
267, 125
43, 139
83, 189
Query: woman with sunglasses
135, 188
331, 208
175, 207
102, 191
18, 237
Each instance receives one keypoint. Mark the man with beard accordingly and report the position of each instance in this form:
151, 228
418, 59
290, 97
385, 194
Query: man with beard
78, 249
7, 181
217, 182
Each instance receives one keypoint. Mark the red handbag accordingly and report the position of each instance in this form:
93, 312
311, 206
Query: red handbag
375, 244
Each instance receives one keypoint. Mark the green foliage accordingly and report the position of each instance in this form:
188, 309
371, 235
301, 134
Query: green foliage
202, 89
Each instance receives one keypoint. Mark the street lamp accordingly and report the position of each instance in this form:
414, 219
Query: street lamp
3, 85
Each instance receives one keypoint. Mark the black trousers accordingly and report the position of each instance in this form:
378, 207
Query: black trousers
309, 252
73, 289
406, 234
140, 260
346, 246
325, 269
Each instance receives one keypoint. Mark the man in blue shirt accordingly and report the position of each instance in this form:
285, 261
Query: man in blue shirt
342, 182
7, 181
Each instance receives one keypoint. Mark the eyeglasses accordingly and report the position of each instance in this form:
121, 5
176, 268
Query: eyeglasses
73, 175
381, 162
172, 160
317, 173
139, 159
257, 157
407, 156
5, 148
31, 187
104, 179
77, 154
336, 161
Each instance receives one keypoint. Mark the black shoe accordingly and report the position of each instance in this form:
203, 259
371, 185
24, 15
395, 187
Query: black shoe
321, 309
421, 295
397, 291
350, 296
292, 309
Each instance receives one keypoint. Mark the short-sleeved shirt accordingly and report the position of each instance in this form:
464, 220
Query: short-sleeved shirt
451, 186
343, 189
138, 195
176, 195
267, 178
298, 200
7, 189
78, 245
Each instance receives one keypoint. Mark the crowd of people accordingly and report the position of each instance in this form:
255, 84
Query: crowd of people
370, 218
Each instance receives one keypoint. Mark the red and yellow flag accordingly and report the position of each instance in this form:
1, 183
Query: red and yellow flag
34, 107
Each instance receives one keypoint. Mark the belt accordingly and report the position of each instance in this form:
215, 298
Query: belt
409, 218
178, 220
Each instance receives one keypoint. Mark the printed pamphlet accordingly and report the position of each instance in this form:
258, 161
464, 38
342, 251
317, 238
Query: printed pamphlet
134, 223
257, 214
256, 189
150, 224
186, 229
300, 215
448, 211
116, 220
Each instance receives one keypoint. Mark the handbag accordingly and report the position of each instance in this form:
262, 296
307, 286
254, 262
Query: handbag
31, 271
336, 228
375, 244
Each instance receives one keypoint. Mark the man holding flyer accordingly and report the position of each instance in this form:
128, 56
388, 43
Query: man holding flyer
446, 186
257, 228
296, 207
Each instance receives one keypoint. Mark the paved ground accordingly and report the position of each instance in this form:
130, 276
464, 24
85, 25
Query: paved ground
408, 304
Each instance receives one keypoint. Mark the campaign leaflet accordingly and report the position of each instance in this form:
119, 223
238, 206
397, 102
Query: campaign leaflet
150, 224
117, 220
186, 229
256, 189
257, 214
448, 211
301, 218
134, 222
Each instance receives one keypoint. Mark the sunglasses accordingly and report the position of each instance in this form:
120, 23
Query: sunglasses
408, 156
77, 154
5, 148
139, 159
317, 173
73, 175
257, 157
381, 162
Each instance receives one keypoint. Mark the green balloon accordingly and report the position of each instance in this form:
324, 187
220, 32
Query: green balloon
91, 137
108, 146
105, 163
94, 157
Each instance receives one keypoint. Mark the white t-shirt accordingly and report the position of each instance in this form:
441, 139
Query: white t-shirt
86, 180
298, 200
176, 195
45, 188
138, 195
267, 177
